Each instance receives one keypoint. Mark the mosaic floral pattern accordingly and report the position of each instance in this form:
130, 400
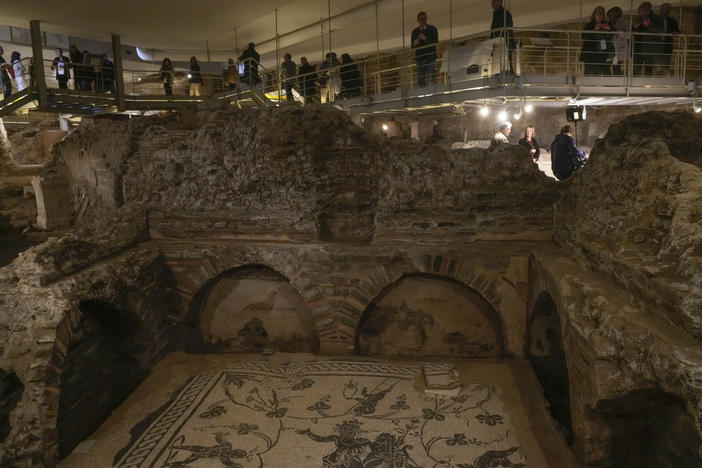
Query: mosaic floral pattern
334, 414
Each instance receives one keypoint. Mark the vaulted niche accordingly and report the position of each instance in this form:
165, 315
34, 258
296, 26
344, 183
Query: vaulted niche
546, 354
423, 315
102, 367
254, 308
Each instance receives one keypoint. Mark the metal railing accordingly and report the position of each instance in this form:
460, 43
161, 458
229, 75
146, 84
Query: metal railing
621, 58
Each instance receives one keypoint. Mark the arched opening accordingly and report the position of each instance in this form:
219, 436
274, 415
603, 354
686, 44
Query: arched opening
426, 315
11, 389
102, 367
547, 356
252, 309
650, 429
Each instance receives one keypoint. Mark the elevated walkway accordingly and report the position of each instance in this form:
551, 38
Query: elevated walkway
65, 101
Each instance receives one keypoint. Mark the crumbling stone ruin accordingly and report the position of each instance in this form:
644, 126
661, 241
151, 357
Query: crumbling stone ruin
291, 229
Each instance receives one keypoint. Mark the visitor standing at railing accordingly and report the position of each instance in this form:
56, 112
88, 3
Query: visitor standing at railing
620, 40
250, 58
61, 64
81, 76
307, 79
423, 36
167, 76
501, 20
329, 81
670, 26
5, 82
106, 75
647, 48
289, 70
19, 70
597, 48
351, 80
194, 77
231, 74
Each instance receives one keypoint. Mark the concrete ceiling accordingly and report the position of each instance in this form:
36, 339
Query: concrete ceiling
172, 25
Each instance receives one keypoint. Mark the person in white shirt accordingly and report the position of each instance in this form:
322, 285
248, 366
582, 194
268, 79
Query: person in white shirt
502, 136
19, 71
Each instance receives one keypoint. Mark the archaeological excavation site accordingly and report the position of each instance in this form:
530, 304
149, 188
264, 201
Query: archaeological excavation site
285, 287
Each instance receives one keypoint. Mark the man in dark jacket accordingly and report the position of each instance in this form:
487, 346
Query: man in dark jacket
647, 48
423, 36
502, 18
250, 58
566, 157
307, 78
670, 26
5, 82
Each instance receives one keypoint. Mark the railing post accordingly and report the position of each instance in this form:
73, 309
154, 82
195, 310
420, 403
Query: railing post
38, 62
119, 73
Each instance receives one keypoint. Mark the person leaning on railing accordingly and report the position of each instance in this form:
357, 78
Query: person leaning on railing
597, 49
620, 40
307, 78
647, 48
167, 75
351, 80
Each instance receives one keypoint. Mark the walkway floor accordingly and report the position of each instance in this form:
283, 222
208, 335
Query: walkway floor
302, 411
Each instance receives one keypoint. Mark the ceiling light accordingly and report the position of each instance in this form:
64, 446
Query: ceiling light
696, 108
484, 111
518, 116
502, 116
528, 108
572, 101
385, 127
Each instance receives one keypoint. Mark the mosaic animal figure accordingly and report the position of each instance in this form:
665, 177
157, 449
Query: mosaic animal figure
350, 449
222, 452
494, 459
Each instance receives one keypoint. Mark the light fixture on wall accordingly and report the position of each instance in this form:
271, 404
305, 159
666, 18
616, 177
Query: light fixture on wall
528, 108
484, 111
385, 127
518, 115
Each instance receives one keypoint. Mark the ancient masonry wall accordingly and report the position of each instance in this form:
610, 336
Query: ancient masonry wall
164, 206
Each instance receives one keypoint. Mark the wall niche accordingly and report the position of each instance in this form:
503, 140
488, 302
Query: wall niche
102, 367
425, 315
252, 309
547, 356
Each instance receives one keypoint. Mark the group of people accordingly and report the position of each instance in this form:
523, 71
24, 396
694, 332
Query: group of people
90, 72
566, 157
14, 70
603, 52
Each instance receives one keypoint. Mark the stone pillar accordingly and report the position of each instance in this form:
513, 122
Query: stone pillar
53, 201
119, 72
38, 58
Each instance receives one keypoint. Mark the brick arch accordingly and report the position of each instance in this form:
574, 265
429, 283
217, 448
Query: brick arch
338, 315
433, 275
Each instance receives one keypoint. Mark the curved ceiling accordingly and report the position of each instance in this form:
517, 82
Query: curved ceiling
168, 25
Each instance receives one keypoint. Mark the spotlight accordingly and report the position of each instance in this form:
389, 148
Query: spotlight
484, 111
572, 101
528, 108
189, 75
696, 108
385, 127
518, 116
502, 116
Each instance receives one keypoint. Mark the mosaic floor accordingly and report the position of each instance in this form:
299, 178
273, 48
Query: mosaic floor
322, 412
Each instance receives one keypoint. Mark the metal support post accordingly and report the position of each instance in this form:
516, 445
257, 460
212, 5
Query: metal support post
38, 61
119, 72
